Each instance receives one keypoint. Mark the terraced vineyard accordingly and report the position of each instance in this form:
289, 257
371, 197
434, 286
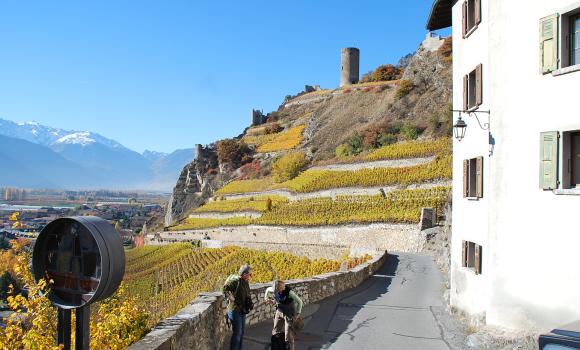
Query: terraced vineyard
165, 278
281, 141
315, 180
400, 206
258, 203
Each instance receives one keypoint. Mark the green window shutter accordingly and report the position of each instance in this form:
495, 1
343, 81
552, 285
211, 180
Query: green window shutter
549, 160
549, 44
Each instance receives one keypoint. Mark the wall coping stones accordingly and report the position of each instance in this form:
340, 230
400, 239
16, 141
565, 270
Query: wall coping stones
201, 324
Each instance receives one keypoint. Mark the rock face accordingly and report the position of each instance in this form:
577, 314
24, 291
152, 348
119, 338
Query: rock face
197, 182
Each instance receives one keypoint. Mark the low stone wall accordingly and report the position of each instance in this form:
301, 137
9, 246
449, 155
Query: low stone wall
201, 325
383, 236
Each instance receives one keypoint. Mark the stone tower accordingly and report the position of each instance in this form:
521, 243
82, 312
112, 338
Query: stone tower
349, 62
257, 117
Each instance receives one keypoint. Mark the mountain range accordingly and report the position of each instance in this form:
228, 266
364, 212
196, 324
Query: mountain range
37, 156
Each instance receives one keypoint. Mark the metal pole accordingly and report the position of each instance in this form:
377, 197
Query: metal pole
64, 328
82, 338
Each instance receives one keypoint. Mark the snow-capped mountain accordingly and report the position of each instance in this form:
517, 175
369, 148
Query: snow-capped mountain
48, 136
116, 165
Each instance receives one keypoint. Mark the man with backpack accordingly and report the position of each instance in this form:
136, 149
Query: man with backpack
287, 320
237, 292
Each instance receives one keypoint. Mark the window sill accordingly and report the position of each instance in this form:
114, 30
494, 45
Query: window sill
567, 191
471, 270
566, 70
469, 32
472, 198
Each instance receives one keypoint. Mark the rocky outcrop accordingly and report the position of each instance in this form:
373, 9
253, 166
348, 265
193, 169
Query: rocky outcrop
197, 182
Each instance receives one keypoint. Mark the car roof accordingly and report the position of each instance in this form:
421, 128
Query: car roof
571, 330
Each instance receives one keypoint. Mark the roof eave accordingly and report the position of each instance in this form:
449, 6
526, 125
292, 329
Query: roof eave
440, 15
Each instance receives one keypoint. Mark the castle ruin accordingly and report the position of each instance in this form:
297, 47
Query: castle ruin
349, 59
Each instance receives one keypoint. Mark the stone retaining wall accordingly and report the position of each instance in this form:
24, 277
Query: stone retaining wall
201, 325
383, 236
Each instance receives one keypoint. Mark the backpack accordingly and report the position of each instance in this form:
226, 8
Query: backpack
247, 304
230, 279
277, 342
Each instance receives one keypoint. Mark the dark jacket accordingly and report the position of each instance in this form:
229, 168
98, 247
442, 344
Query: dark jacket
241, 291
284, 302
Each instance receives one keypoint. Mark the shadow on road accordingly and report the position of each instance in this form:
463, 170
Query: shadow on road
326, 323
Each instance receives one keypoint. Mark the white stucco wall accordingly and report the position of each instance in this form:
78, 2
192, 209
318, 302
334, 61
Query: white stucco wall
531, 278
469, 291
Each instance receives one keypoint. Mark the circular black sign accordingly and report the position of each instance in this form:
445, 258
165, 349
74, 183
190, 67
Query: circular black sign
81, 257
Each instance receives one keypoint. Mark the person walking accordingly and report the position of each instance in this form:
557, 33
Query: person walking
237, 292
288, 309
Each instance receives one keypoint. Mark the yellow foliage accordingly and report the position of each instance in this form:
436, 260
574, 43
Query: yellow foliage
246, 186
397, 206
288, 166
258, 203
196, 223
411, 149
284, 140
206, 270
315, 180
258, 140
117, 324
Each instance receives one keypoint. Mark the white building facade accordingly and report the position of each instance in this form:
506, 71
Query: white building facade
515, 258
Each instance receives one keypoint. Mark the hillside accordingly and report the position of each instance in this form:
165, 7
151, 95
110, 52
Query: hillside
365, 139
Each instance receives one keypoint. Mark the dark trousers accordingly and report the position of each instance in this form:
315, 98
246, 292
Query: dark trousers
238, 327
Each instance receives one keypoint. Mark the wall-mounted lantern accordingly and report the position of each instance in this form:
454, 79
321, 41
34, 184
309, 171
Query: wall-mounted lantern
459, 129
460, 126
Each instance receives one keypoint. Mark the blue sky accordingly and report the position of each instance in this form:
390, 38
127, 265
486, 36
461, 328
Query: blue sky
164, 75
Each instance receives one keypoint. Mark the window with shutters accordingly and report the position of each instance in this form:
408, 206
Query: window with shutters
574, 23
560, 43
471, 16
471, 256
570, 151
549, 160
473, 89
473, 178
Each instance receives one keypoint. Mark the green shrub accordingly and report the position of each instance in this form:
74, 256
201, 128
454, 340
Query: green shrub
387, 139
342, 151
356, 143
409, 132
405, 87
288, 166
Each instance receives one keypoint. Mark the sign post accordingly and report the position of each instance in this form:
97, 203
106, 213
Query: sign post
83, 260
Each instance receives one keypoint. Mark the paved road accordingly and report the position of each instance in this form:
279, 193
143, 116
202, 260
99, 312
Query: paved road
395, 309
